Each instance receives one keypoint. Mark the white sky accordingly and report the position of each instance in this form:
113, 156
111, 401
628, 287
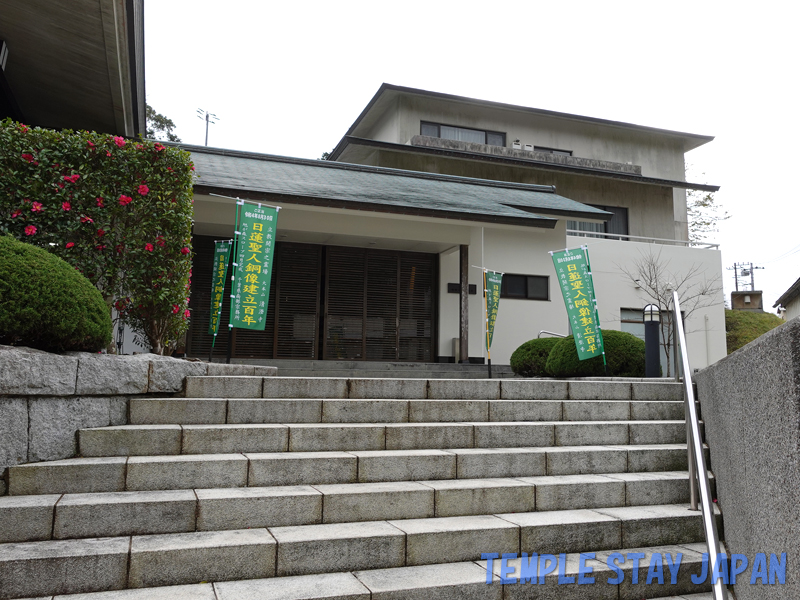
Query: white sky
289, 78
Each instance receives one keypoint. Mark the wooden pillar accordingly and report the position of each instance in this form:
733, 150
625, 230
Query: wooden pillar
463, 319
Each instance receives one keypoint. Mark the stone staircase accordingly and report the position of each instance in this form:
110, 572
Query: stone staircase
289, 488
382, 369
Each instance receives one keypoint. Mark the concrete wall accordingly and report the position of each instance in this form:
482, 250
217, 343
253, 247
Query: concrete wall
751, 407
46, 398
705, 328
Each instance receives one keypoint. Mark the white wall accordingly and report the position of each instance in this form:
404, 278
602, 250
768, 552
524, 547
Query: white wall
705, 327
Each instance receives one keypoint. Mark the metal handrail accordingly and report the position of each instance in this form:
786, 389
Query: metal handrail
698, 472
553, 333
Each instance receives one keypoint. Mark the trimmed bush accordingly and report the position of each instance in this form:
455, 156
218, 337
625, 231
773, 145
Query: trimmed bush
46, 304
530, 358
624, 354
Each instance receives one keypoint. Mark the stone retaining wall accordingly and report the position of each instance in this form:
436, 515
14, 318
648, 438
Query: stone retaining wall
751, 408
45, 398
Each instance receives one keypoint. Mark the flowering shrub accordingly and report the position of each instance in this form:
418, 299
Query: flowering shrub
57, 191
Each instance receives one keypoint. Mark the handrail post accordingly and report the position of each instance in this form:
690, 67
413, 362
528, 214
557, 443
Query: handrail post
696, 455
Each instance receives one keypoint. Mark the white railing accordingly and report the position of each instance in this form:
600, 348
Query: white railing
698, 471
639, 238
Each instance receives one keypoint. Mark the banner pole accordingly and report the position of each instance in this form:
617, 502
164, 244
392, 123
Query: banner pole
239, 204
486, 308
596, 311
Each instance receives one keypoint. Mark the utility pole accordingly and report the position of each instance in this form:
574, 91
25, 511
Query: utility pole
209, 118
742, 270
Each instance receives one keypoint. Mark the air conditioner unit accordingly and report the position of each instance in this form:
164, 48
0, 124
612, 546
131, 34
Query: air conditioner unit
529, 147
516, 145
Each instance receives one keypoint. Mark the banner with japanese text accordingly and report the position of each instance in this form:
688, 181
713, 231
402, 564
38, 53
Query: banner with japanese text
222, 253
252, 265
575, 280
492, 282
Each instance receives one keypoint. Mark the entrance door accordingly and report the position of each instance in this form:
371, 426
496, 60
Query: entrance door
379, 305
370, 305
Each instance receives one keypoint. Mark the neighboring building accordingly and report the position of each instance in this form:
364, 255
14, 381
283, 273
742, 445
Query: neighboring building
423, 187
788, 304
750, 300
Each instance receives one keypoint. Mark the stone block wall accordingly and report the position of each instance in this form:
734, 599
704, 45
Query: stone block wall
46, 398
751, 407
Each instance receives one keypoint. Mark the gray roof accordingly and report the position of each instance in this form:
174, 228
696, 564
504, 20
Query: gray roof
789, 295
361, 187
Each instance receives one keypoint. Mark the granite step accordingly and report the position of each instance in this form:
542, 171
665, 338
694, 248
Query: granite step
165, 411
263, 563
138, 440
84, 515
186, 471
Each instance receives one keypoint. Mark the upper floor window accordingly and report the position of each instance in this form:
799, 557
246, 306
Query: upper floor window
617, 224
552, 151
462, 134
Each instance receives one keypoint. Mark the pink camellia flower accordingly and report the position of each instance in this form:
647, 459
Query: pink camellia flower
160, 241
108, 153
37, 207
90, 143
185, 250
60, 186
66, 206
175, 309
186, 314
30, 230
24, 128
148, 247
72, 178
125, 200
69, 244
27, 157
86, 219
158, 147
143, 189
119, 248
101, 232
119, 141
16, 213
100, 247
99, 202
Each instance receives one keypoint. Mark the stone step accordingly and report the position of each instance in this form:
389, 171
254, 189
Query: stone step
118, 474
165, 411
433, 389
133, 440
81, 515
366, 562
34, 518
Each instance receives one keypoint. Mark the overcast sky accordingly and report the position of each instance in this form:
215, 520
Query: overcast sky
289, 78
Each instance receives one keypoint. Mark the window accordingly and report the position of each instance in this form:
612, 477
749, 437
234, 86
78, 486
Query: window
616, 224
526, 287
552, 151
462, 134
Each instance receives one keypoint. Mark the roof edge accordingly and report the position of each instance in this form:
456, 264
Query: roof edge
529, 163
789, 295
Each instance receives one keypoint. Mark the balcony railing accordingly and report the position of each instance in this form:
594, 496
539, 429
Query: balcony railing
647, 240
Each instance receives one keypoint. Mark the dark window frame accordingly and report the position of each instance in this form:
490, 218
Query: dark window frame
529, 295
552, 150
486, 132
615, 222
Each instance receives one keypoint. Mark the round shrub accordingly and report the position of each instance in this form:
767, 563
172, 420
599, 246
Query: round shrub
530, 358
46, 304
624, 354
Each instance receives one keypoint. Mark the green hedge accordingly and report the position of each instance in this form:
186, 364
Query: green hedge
624, 354
46, 304
530, 358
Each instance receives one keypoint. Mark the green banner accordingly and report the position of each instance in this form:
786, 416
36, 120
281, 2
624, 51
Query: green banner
222, 253
491, 284
252, 265
575, 280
